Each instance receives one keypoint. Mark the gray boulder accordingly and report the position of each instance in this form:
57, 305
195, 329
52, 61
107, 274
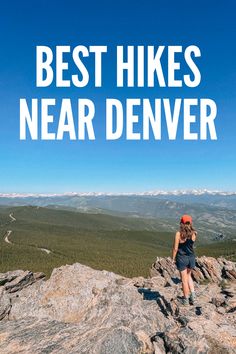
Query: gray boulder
82, 310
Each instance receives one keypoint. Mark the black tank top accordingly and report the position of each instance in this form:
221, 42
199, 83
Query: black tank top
186, 248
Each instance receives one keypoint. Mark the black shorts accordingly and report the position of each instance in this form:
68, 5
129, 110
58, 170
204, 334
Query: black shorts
184, 261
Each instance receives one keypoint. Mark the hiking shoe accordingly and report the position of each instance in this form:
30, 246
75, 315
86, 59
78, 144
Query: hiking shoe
191, 301
183, 301
192, 298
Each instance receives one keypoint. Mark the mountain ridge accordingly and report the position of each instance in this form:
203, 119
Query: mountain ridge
213, 214
145, 193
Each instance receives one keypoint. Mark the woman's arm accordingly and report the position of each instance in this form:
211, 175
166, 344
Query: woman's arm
194, 236
175, 245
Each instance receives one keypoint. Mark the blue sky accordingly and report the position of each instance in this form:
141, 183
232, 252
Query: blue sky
116, 166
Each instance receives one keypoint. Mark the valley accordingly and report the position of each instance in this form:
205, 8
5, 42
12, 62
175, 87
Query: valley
42, 238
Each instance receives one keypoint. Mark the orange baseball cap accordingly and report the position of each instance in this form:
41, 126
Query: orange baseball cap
186, 218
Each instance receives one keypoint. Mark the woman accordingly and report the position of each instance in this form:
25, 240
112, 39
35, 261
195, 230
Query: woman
183, 255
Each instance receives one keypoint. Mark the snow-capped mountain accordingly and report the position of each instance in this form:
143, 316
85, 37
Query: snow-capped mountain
214, 212
194, 192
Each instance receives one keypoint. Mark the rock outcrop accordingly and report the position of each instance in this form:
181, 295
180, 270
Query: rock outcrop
207, 269
82, 310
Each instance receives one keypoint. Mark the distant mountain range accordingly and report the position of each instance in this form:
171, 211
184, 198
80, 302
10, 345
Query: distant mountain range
214, 212
201, 196
195, 192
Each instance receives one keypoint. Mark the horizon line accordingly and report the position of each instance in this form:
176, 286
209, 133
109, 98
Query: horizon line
144, 193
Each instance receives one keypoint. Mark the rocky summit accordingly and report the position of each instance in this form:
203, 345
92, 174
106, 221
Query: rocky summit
82, 310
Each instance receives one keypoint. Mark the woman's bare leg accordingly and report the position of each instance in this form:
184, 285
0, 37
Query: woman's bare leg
185, 285
190, 280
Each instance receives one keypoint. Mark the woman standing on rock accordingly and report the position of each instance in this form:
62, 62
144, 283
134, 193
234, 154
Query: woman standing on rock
183, 255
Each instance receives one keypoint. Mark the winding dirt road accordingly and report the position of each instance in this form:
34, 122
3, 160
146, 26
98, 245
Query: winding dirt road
45, 250
12, 217
9, 232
